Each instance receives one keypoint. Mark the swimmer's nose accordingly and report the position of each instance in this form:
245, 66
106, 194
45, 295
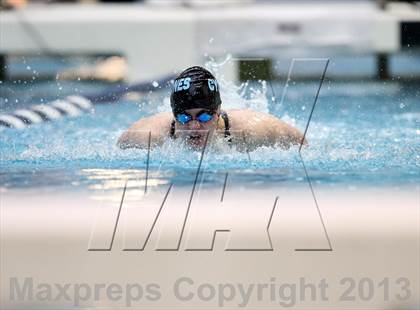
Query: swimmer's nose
195, 124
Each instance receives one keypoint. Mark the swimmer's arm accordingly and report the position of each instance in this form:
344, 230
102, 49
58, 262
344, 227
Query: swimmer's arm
286, 135
254, 129
133, 138
155, 128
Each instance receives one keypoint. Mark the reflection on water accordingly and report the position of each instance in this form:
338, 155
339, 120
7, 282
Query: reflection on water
108, 184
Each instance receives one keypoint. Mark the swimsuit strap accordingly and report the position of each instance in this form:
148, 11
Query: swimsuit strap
172, 130
225, 118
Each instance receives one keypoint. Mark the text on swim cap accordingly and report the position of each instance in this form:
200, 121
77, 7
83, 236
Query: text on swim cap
182, 84
213, 85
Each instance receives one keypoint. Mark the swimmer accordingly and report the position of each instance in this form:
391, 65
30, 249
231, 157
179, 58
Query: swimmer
197, 118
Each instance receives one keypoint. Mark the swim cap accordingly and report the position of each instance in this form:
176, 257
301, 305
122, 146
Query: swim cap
195, 88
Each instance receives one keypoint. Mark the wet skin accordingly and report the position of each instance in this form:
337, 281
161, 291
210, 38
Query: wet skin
249, 128
194, 132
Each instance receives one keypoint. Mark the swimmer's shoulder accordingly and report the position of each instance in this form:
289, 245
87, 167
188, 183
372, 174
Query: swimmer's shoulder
158, 121
246, 119
137, 135
262, 128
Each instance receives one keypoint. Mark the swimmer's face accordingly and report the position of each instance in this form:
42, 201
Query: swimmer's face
195, 132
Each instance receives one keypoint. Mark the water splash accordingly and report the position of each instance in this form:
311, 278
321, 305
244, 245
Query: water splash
238, 96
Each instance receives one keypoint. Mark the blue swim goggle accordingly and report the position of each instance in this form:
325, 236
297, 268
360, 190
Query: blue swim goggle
202, 117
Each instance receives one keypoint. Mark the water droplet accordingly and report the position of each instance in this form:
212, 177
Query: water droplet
303, 108
28, 67
402, 105
211, 40
155, 84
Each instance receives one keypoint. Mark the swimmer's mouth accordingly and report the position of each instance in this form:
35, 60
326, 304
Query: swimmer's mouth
194, 137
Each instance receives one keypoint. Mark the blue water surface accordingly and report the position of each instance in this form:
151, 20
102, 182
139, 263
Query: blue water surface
361, 133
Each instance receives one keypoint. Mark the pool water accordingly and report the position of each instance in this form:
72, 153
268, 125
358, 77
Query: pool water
361, 133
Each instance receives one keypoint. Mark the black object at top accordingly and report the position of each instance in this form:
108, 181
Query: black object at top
195, 88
